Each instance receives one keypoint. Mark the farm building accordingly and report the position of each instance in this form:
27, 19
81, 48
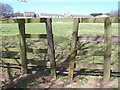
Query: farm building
100, 16
29, 14
81, 16
52, 15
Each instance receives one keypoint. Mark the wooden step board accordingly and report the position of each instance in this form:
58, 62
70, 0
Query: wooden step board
78, 65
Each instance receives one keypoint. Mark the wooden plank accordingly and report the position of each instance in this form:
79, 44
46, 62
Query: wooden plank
26, 36
107, 53
34, 50
31, 62
36, 36
37, 50
10, 61
73, 50
31, 19
96, 38
51, 51
15, 49
10, 49
80, 38
78, 65
91, 53
9, 36
23, 55
90, 38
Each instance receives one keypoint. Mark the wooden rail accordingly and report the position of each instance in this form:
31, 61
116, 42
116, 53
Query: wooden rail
29, 20
39, 50
34, 50
90, 53
44, 36
96, 38
80, 38
31, 63
36, 36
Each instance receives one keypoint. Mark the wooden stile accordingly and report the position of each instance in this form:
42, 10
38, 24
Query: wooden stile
51, 52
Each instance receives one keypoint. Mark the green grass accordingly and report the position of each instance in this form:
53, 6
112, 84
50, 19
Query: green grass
62, 20
60, 29
96, 29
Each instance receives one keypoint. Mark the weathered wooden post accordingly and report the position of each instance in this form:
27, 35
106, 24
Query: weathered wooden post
23, 55
119, 45
73, 51
107, 50
51, 51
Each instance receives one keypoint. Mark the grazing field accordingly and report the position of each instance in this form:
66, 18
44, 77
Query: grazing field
60, 26
62, 30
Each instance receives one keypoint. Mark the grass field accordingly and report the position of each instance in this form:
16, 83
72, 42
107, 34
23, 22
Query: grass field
60, 26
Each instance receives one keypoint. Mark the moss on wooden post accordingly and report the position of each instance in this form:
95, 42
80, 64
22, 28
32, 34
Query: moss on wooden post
51, 51
23, 56
107, 52
73, 51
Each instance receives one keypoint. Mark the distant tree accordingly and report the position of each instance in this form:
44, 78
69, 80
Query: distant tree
95, 14
17, 14
22, 1
28, 20
115, 13
86, 20
6, 10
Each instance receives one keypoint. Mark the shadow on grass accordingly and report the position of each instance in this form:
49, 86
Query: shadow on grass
43, 71
85, 72
96, 72
24, 80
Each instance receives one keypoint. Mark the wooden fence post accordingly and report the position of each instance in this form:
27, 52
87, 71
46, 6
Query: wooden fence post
119, 45
21, 25
51, 51
107, 51
73, 51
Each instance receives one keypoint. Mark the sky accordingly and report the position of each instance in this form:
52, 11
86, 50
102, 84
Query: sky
84, 7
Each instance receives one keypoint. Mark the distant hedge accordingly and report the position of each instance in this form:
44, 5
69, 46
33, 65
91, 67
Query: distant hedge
83, 20
98, 20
